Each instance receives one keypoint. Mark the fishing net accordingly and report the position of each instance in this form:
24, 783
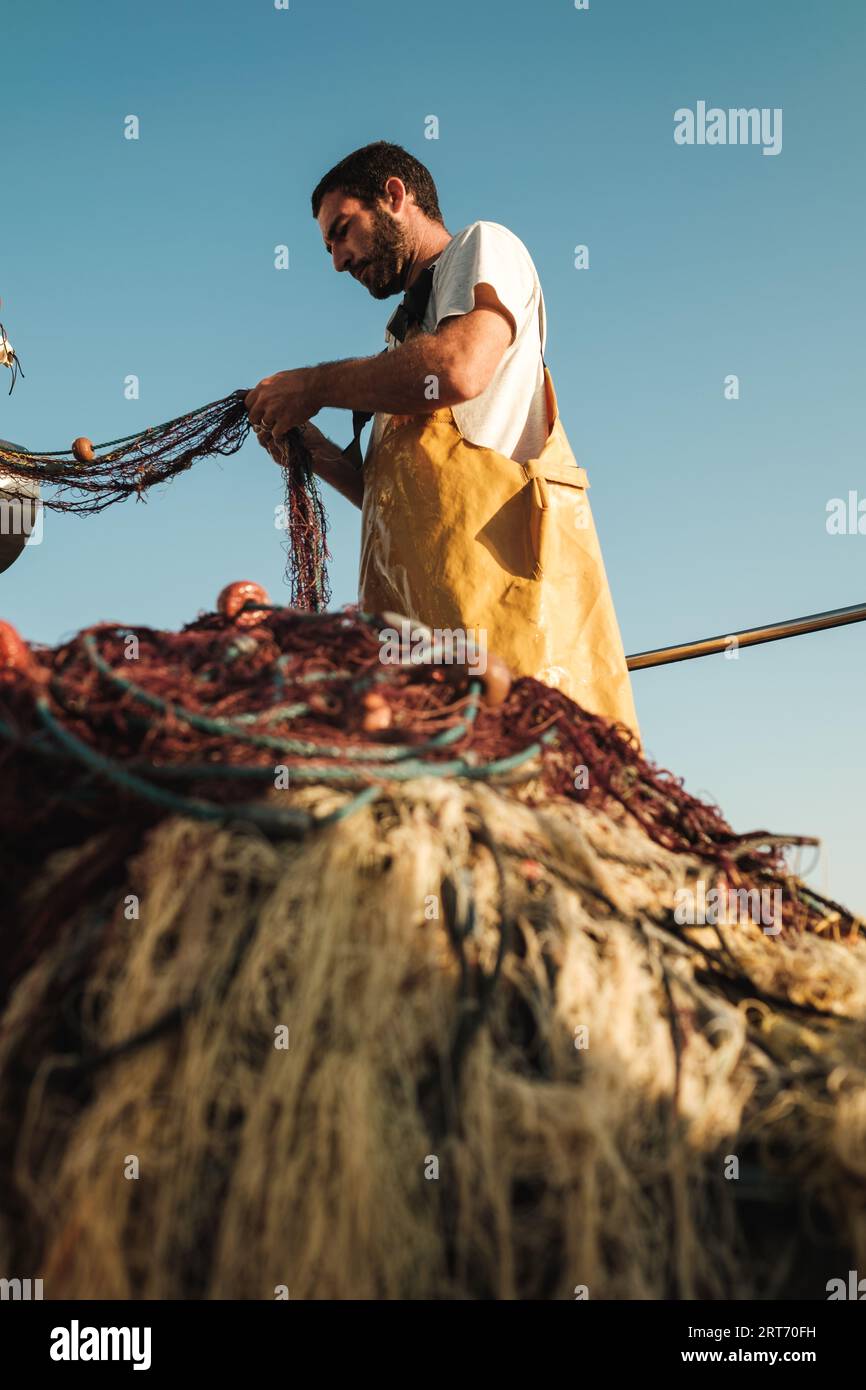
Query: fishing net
88, 478
148, 721
357, 980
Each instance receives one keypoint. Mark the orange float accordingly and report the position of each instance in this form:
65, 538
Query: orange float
233, 598
15, 655
377, 713
82, 448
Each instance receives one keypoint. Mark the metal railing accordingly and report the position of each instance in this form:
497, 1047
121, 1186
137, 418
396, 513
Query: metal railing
749, 637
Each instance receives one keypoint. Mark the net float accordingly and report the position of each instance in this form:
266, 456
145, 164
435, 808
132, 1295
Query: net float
15, 655
495, 676
82, 448
377, 713
376, 720
233, 598
496, 681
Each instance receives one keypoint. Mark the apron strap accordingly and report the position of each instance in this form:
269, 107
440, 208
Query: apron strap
410, 311
352, 450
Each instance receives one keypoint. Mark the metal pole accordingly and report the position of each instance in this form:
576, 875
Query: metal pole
749, 637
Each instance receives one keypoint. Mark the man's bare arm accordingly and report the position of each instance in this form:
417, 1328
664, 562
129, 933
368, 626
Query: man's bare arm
331, 465
429, 370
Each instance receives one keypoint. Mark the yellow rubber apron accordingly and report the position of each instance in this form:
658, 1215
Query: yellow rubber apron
458, 536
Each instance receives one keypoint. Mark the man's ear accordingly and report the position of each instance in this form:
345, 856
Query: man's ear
395, 193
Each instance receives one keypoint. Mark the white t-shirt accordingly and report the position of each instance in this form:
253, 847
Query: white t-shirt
510, 415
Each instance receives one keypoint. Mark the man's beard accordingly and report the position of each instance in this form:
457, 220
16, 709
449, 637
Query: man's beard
385, 265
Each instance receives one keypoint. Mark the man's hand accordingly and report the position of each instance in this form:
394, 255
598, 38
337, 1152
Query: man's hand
328, 461
279, 403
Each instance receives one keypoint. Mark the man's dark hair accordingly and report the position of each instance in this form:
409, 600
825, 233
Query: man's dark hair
363, 175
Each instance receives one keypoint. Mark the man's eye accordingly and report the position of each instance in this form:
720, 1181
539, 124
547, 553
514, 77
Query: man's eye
339, 233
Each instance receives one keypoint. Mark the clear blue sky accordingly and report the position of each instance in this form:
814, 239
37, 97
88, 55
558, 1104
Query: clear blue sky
155, 258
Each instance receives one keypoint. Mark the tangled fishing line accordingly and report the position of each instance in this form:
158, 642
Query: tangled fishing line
88, 478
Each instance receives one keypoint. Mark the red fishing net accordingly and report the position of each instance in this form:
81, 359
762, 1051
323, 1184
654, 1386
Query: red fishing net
123, 725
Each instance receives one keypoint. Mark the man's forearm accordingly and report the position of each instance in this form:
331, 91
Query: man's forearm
331, 465
445, 368
414, 379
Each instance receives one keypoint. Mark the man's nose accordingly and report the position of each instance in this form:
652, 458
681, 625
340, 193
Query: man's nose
342, 259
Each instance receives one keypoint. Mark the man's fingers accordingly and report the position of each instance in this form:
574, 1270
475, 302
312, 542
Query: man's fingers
255, 402
269, 444
274, 409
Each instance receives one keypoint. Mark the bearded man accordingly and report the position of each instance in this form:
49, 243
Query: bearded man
474, 513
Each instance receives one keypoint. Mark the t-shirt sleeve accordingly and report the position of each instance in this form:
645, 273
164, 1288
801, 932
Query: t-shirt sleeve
485, 254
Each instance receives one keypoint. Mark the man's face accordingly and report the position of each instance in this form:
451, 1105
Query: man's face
371, 243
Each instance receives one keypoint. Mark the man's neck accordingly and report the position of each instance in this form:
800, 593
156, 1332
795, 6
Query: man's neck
434, 241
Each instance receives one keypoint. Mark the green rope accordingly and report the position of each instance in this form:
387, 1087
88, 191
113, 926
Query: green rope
337, 764
288, 822
229, 727
341, 772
